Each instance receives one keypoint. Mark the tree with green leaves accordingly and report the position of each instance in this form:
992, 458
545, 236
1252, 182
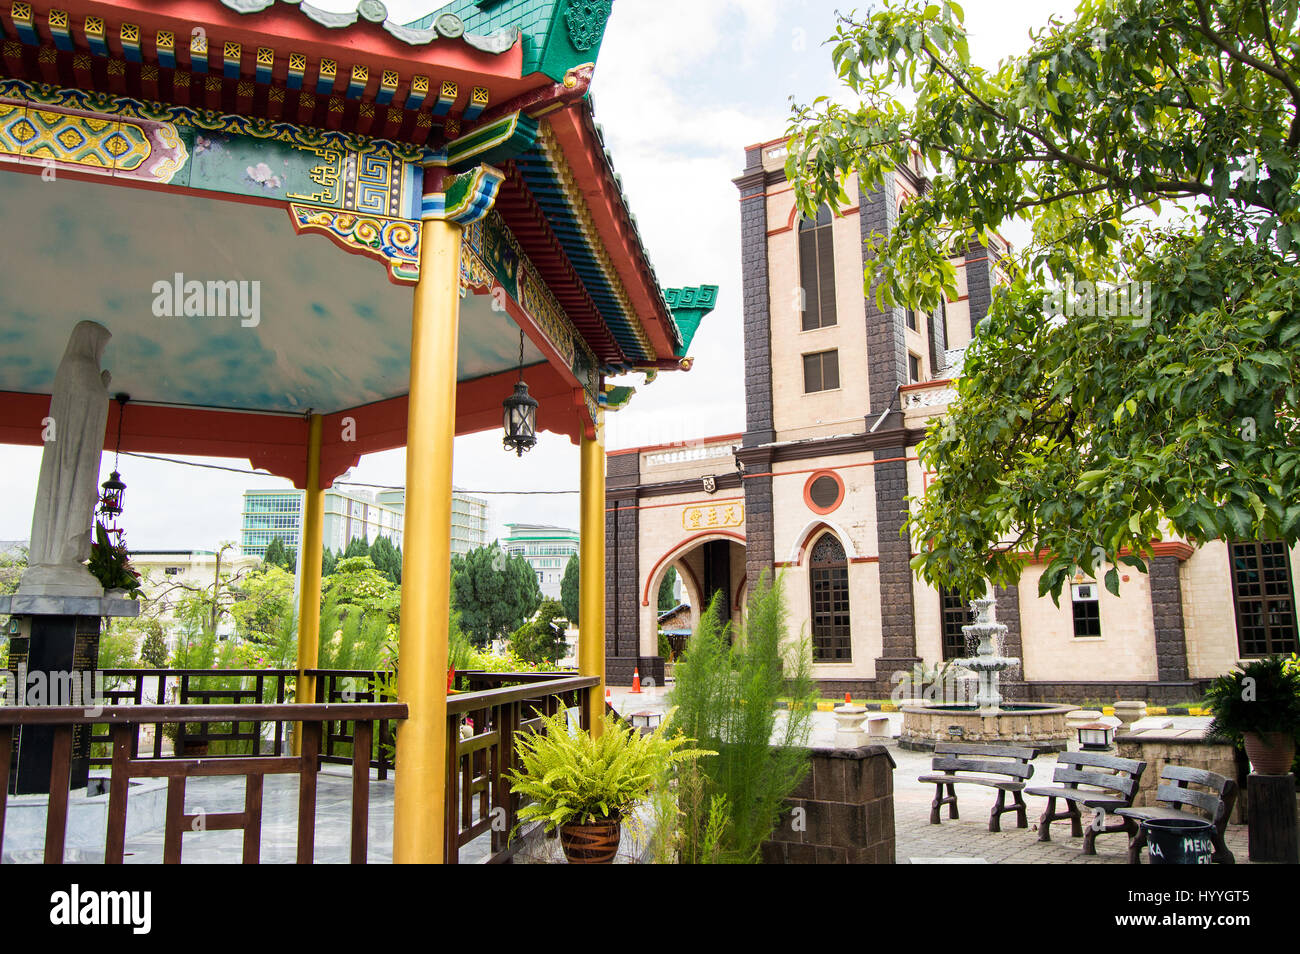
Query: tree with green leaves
262, 600
357, 547
277, 554
571, 589
667, 598
356, 581
1149, 146
328, 561
387, 558
541, 640
493, 593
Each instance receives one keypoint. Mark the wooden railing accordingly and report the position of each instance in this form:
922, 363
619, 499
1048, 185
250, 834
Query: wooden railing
124, 724
346, 720
479, 799
200, 687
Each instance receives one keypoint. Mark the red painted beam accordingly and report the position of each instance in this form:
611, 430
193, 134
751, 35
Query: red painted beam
278, 442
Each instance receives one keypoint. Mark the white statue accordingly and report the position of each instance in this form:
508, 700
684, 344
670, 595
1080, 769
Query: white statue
69, 483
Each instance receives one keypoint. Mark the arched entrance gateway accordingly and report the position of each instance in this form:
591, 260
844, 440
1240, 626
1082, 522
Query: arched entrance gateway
669, 507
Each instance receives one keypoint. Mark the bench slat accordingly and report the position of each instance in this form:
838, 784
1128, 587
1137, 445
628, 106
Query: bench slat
1115, 783
969, 748
973, 780
1014, 769
1197, 776
1079, 795
1131, 766
1189, 796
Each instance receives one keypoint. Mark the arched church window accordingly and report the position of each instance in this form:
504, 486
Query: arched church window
817, 270
829, 589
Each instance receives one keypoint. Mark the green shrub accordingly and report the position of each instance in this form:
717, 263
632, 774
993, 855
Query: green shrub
726, 697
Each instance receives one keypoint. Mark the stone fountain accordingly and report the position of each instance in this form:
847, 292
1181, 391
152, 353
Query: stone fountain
1036, 725
987, 665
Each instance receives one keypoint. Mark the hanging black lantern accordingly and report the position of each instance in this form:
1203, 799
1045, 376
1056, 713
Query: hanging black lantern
113, 490
520, 417
110, 499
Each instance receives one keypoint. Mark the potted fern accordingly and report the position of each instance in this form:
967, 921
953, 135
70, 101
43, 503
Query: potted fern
1258, 706
585, 784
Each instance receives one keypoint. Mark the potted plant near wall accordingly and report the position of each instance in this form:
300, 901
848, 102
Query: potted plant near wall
1258, 706
586, 785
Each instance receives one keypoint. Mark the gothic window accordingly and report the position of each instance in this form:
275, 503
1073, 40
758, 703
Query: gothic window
829, 579
817, 270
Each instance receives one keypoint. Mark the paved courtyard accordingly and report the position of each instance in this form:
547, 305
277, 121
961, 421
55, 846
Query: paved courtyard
967, 839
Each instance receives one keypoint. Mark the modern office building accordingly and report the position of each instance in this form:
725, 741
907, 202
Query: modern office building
547, 550
350, 514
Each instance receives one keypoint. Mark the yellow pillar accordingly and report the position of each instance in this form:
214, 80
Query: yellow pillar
309, 564
591, 564
419, 789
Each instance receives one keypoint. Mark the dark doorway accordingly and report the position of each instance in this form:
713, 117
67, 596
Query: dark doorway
717, 576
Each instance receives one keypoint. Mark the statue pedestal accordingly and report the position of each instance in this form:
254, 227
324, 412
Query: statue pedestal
53, 652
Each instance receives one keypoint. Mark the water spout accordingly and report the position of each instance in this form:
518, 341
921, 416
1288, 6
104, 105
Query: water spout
986, 663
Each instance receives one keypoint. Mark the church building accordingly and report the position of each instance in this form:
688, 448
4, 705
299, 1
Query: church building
838, 395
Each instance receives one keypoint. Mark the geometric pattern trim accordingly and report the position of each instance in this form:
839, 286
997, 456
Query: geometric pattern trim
395, 242
209, 120
230, 154
151, 151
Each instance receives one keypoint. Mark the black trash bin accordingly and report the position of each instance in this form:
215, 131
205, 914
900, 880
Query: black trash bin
1179, 841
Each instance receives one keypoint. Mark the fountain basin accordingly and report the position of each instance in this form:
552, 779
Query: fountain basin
1037, 725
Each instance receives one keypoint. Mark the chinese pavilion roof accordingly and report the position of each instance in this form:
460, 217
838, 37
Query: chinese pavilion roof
194, 102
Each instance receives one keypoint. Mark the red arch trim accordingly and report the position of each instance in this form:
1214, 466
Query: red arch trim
679, 550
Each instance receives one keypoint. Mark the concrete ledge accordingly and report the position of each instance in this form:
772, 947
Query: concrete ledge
31, 605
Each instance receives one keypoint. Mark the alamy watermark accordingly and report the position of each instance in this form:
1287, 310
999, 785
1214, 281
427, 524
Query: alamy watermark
179, 298
83, 689
1088, 299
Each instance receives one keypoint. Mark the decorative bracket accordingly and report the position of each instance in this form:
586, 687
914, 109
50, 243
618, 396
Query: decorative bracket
395, 242
465, 198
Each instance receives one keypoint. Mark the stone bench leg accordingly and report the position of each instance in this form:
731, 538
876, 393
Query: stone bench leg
940, 800
1000, 808
1099, 817
1050, 814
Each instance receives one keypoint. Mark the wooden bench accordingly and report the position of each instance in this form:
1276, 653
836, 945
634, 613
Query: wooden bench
1111, 785
1007, 774
1214, 805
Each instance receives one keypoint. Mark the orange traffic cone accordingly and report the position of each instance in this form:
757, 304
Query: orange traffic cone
636, 680
848, 700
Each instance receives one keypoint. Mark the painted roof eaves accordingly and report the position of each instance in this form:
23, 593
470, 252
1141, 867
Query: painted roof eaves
447, 26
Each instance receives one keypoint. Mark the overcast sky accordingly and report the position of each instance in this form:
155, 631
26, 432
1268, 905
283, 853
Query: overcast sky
681, 87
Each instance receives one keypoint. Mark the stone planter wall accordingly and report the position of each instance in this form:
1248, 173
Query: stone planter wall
1161, 747
842, 812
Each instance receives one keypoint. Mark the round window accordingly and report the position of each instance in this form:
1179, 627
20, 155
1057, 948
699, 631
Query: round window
824, 492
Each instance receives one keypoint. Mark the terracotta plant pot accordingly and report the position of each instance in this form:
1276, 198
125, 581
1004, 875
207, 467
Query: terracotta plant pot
594, 844
1270, 753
